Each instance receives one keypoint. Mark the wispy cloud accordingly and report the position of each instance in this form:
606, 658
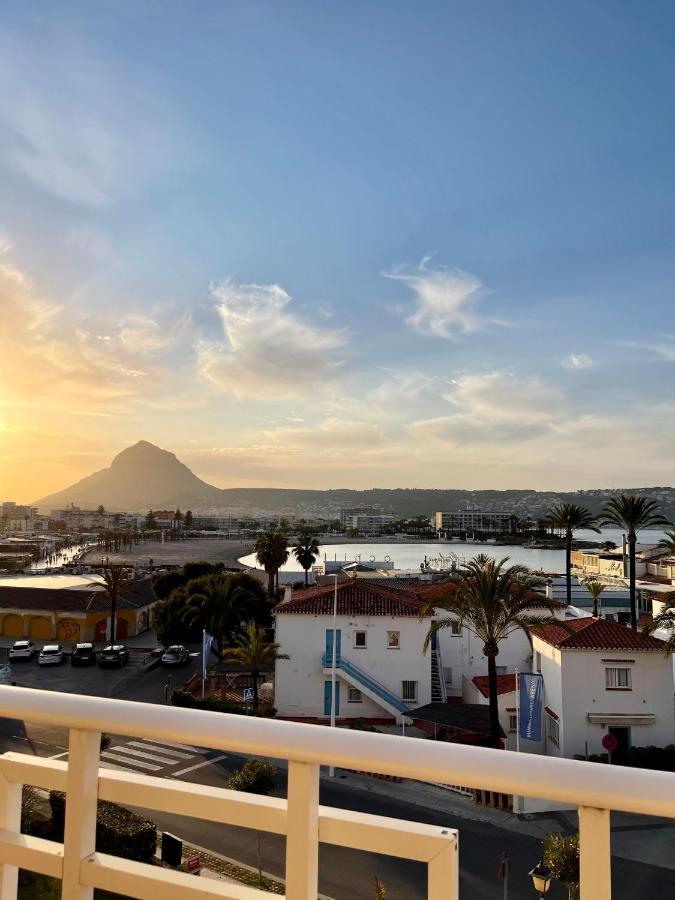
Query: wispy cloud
664, 348
446, 300
577, 361
268, 350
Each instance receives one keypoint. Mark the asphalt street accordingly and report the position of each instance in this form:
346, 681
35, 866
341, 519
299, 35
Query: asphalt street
343, 873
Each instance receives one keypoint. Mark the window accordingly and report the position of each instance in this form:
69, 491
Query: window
513, 724
455, 628
409, 691
447, 674
552, 730
393, 640
501, 670
360, 639
617, 679
538, 660
354, 695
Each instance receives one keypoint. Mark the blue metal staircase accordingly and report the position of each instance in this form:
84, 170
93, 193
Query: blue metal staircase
366, 683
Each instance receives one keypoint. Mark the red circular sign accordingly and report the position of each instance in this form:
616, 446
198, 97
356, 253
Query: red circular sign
609, 742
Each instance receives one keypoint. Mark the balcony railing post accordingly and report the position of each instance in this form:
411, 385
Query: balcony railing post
10, 820
595, 874
443, 873
79, 839
302, 833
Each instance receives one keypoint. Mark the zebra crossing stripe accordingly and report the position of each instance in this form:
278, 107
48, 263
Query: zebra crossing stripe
163, 750
122, 748
171, 744
130, 762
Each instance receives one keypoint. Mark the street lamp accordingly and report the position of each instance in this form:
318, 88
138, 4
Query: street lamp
541, 879
331, 769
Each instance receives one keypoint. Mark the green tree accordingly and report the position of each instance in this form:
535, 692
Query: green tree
150, 522
570, 517
492, 600
667, 543
223, 603
187, 521
117, 581
257, 776
169, 623
665, 621
254, 652
271, 551
306, 550
595, 589
561, 855
632, 514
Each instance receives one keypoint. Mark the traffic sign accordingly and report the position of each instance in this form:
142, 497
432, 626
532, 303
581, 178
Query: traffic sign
248, 695
610, 742
193, 862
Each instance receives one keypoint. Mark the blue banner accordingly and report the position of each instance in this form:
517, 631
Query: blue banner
207, 640
530, 703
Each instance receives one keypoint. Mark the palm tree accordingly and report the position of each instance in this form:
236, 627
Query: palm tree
569, 517
492, 600
632, 513
271, 552
595, 589
665, 620
306, 550
222, 604
668, 543
117, 581
254, 652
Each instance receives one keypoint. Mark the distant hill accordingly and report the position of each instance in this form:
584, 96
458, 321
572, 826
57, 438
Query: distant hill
145, 476
140, 477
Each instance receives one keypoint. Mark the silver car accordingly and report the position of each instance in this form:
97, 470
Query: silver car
51, 655
22, 650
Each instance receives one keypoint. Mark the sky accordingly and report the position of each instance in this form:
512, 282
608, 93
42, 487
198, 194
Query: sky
320, 245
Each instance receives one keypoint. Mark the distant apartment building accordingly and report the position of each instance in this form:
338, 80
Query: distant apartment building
614, 563
349, 512
368, 524
474, 520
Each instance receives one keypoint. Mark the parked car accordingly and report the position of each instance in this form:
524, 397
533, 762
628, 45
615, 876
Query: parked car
83, 655
22, 650
176, 655
51, 655
114, 655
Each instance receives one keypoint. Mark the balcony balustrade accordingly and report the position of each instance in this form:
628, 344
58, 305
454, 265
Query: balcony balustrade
595, 789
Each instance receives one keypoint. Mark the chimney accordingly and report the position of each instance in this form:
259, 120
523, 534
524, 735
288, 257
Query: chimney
549, 589
288, 593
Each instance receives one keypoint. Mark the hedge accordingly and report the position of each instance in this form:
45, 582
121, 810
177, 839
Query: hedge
661, 759
257, 776
119, 831
186, 699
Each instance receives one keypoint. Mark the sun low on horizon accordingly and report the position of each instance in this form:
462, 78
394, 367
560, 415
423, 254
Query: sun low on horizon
366, 245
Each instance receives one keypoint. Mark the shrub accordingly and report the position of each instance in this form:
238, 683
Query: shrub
661, 759
119, 831
186, 699
561, 855
257, 776
362, 725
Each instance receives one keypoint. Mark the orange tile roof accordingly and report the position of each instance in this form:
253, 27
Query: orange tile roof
355, 598
505, 684
596, 634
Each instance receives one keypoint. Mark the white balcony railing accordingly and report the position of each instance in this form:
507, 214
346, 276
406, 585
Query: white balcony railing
595, 789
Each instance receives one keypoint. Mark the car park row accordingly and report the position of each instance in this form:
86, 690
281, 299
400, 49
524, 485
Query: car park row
82, 654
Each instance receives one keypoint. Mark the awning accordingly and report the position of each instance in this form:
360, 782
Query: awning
621, 718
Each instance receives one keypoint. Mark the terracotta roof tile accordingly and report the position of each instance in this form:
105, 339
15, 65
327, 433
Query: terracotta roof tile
505, 684
596, 634
73, 599
357, 597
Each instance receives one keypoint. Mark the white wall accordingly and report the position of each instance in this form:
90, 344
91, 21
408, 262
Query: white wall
299, 683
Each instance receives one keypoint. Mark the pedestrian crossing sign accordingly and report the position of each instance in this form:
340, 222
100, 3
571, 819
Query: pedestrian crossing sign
248, 695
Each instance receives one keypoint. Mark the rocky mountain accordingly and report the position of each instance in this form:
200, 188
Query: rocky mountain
140, 477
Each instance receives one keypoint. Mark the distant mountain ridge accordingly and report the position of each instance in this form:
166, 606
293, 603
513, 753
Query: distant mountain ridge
144, 476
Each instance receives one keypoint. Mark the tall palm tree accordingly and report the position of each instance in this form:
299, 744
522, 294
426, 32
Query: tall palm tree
222, 604
665, 620
569, 517
631, 514
668, 543
117, 581
492, 600
271, 551
595, 589
253, 652
306, 550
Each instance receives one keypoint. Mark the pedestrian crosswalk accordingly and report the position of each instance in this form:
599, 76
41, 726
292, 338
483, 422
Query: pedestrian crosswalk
149, 756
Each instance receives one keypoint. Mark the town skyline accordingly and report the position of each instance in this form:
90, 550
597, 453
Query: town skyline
265, 243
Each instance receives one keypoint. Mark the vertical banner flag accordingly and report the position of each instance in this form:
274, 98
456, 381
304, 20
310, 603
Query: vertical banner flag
530, 706
207, 640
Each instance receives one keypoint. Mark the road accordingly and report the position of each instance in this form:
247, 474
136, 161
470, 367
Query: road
343, 873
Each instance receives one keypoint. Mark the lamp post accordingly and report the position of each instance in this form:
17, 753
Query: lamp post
541, 879
331, 769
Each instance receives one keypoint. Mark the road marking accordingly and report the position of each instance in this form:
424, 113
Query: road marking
59, 755
170, 744
207, 762
131, 762
122, 748
163, 750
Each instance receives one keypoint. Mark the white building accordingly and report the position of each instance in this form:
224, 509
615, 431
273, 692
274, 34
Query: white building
602, 677
381, 668
473, 520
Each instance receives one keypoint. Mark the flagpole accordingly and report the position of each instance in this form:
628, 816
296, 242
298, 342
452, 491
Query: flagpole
203, 662
517, 711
